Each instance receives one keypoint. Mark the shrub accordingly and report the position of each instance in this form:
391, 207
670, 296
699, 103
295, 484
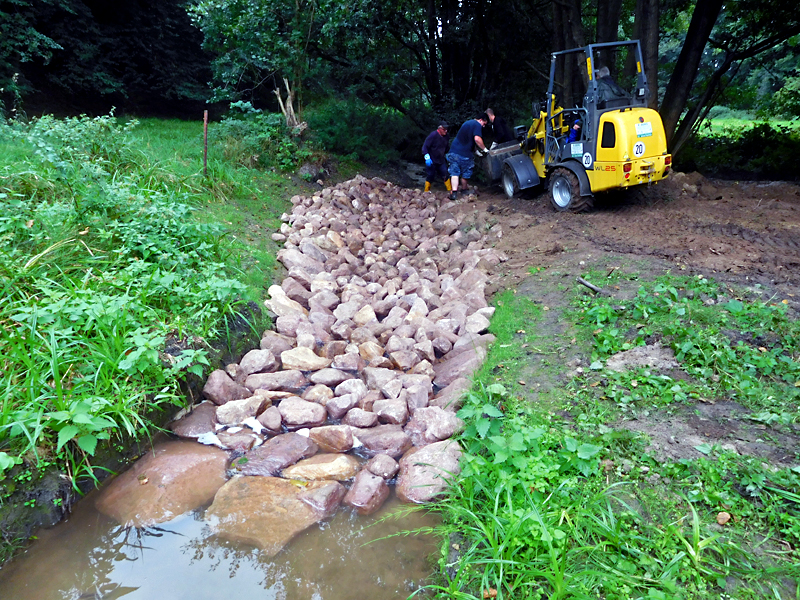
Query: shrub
761, 152
253, 138
367, 133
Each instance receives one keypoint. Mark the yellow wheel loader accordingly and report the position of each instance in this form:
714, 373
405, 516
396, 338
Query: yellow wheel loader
619, 142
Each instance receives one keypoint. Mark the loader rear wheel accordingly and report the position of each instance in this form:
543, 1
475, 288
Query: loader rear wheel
565, 192
510, 185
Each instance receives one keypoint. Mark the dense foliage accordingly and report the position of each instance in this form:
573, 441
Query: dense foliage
74, 56
762, 151
112, 291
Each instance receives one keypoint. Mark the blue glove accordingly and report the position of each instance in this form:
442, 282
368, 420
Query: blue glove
428, 161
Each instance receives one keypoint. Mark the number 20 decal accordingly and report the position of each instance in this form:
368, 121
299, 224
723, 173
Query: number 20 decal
638, 149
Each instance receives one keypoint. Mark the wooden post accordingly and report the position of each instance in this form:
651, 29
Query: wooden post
205, 143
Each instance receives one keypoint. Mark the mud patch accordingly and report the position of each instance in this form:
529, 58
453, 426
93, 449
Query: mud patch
676, 434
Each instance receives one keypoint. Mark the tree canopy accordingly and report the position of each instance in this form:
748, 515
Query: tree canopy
450, 58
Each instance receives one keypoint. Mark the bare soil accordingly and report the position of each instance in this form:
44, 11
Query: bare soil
743, 234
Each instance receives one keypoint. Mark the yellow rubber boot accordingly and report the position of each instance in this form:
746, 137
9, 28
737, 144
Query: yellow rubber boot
427, 186
448, 185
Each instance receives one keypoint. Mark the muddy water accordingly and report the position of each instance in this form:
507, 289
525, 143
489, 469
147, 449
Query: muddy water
90, 556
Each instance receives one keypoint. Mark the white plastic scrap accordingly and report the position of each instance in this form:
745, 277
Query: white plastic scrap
210, 439
253, 424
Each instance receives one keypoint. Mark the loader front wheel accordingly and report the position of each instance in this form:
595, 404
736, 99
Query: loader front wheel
565, 192
510, 185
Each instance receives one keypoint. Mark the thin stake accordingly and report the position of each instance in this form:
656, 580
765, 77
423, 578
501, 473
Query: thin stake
205, 143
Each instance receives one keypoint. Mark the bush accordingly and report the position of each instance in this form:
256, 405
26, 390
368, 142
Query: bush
100, 273
366, 133
255, 139
761, 152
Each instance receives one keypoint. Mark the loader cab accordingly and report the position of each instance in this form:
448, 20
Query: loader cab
588, 82
621, 143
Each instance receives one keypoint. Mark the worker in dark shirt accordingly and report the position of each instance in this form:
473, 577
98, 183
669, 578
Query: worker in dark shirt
502, 132
460, 160
433, 151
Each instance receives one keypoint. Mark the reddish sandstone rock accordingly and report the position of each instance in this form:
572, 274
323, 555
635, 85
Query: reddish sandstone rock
275, 454
332, 438
285, 381
432, 424
220, 388
324, 500
335, 467
383, 466
297, 413
266, 512
171, 479
367, 494
200, 420
384, 439
426, 471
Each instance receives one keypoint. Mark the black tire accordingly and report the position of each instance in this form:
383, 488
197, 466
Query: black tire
510, 184
565, 192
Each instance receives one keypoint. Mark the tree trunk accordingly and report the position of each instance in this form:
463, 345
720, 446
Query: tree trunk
571, 78
680, 84
647, 20
287, 108
608, 14
433, 59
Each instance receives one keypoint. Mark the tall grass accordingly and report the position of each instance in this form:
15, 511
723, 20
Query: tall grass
109, 255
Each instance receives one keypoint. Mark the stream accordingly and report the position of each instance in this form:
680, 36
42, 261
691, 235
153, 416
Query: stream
90, 556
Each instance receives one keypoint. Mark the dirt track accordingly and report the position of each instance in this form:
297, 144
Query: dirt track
734, 231
743, 234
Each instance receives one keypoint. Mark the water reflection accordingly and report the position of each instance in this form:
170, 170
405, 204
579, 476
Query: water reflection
91, 557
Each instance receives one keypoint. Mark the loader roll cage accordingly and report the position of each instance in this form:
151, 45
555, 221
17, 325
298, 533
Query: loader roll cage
600, 96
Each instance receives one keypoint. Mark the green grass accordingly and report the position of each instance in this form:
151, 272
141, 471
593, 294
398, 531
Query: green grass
723, 124
554, 507
113, 246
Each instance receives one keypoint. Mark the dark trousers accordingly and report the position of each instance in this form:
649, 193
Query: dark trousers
436, 172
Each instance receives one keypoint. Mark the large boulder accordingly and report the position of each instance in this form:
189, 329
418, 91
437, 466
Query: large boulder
425, 472
266, 512
171, 479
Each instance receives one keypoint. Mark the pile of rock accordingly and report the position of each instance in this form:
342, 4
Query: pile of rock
379, 324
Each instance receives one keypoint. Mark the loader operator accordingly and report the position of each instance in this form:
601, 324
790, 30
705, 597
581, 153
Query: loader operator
434, 150
607, 88
460, 159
